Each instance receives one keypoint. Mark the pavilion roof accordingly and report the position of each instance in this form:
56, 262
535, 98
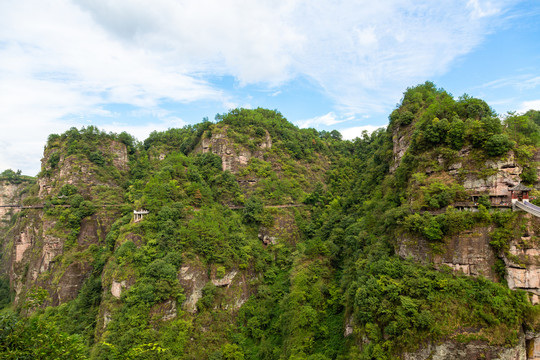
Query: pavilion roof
520, 187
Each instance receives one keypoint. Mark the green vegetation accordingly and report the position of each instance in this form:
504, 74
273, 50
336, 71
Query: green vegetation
15, 177
281, 282
22, 338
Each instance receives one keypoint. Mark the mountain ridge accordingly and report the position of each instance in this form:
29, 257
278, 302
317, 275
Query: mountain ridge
332, 279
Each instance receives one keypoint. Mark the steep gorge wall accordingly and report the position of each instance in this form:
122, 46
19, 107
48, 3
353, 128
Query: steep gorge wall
37, 250
233, 156
9, 195
469, 252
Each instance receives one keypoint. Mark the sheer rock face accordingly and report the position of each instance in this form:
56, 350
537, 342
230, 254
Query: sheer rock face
234, 285
505, 173
79, 171
451, 350
233, 156
523, 259
9, 195
401, 139
39, 241
468, 252
192, 278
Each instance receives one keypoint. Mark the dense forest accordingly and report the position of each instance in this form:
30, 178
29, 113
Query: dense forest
260, 240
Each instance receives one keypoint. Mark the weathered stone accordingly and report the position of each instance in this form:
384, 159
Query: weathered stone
9, 195
71, 281
468, 252
225, 280
401, 140
165, 311
528, 278
24, 242
533, 346
117, 287
233, 156
451, 350
192, 278
349, 328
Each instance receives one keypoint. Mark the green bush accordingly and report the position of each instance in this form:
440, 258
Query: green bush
37, 339
529, 175
54, 159
498, 144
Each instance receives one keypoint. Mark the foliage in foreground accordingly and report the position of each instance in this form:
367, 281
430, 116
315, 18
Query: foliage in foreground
34, 338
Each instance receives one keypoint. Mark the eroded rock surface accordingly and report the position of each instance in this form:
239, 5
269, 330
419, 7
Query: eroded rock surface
9, 195
233, 156
451, 350
468, 252
234, 286
192, 278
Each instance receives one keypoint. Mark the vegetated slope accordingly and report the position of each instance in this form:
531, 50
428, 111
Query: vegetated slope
211, 273
392, 305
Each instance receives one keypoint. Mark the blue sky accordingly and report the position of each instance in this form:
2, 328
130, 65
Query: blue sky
139, 66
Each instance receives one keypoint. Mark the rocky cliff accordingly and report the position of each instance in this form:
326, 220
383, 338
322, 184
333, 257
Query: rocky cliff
261, 240
51, 244
472, 251
10, 194
234, 156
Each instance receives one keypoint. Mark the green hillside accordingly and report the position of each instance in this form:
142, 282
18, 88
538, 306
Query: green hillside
260, 240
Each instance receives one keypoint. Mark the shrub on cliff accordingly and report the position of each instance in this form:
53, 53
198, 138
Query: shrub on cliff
35, 338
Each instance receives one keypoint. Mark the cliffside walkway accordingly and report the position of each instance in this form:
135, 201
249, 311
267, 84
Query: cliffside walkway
232, 207
528, 207
236, 207
23, 206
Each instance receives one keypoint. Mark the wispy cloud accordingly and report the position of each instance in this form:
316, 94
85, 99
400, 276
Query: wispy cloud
519, 82
357, 131
329, 119
482, 9
63, 59
529, 105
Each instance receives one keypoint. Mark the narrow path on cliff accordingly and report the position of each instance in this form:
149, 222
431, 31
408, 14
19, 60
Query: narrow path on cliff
232, 207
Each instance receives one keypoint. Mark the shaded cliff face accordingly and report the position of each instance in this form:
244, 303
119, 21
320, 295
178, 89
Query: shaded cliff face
50, 245
523, 258
10, 194
233, 155
468, 252
470, 351
450, 155
401, 140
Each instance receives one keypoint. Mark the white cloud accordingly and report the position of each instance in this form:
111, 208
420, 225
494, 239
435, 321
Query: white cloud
356, 131
529, 105
329, 119
401, 42
482, 9
518, 82
63, 59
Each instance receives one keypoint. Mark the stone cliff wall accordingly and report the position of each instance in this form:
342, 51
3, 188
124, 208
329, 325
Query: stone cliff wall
233, 156
10, 194
401, 139
36, 253
451, 350
468, 252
